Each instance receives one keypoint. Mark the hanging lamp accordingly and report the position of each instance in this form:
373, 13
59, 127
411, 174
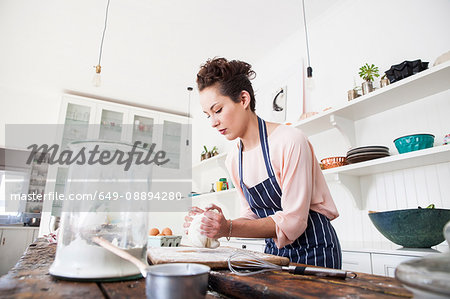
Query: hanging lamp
309, 71
96, 80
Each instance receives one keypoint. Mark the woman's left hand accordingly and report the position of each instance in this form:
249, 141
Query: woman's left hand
214, 225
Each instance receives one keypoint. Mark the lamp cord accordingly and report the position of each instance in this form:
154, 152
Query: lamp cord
306, 32
189, 114
103, 36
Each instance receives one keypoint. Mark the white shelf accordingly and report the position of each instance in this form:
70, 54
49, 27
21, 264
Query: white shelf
416, 87
429, 156
214, 195
220, 158
349, 175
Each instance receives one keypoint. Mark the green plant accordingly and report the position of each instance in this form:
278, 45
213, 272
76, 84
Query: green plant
368, 72
215, 151
205, 151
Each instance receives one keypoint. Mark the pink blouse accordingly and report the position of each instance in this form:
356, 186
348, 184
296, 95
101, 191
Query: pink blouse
297, 172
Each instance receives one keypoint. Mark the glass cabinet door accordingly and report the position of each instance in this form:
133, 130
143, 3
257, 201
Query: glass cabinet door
76, 123
143, 130
171, 143
111, 124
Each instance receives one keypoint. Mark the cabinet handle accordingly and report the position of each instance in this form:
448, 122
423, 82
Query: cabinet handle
244, 246
3, 240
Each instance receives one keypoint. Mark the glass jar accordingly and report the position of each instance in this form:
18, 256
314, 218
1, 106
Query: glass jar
99, 202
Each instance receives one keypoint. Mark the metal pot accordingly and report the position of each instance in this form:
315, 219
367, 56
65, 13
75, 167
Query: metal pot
177, 281
367, 87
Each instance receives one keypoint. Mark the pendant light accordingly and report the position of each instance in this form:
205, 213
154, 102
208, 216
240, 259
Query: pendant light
309, 78
96, 80
189, 114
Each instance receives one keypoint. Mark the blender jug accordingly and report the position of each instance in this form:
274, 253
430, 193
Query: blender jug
99, 200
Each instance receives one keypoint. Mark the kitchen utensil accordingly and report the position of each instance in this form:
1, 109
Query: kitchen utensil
361, 157
168, 281
332, 162
96, 205
417, 228
177, 281
215, 258
370, 148
427, 277
415, 142
240, 262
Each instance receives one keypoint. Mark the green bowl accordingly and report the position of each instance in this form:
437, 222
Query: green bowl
415, 142
416, 228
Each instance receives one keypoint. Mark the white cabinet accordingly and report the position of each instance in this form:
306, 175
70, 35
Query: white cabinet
84, 118
249, 244
385, 264
356, 261
13, 242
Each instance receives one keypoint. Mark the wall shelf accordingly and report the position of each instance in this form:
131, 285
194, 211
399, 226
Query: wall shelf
211, 162
349, 175
211, 195
408, 90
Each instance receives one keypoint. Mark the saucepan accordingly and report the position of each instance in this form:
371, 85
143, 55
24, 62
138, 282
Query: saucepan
167, 281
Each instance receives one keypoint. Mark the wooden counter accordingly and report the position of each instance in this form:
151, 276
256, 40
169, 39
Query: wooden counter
30, 279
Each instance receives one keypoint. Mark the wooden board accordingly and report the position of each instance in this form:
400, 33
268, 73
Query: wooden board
214, 258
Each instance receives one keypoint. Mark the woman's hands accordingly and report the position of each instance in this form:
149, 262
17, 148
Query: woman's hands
188, 219
214, 225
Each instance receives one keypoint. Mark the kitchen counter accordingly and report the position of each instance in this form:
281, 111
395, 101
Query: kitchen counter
30, 278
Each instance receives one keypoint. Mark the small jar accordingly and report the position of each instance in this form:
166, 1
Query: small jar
224, 183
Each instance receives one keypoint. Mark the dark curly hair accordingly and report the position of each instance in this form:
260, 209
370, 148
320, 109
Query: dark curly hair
232, 77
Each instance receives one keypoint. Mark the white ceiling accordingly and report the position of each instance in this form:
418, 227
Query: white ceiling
154, 48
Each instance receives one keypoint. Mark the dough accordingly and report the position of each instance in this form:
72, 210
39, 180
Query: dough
196, 238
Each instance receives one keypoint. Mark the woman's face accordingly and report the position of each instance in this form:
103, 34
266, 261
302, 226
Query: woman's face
225, 115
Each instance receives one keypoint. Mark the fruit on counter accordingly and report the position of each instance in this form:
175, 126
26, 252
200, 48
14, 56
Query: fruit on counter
167, 231
160, 235
153, 232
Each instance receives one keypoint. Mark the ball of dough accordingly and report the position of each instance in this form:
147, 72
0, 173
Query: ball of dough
167, 231
153, 231
196, 238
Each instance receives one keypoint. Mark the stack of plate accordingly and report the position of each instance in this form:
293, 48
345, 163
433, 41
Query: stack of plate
365, 153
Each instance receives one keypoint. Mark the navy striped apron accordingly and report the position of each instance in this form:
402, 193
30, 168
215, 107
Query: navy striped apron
318, 245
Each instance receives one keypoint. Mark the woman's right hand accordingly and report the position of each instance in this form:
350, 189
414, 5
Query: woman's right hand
188, 219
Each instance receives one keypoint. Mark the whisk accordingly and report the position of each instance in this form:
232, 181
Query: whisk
239, 263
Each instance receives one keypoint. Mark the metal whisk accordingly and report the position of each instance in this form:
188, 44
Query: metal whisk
244, 264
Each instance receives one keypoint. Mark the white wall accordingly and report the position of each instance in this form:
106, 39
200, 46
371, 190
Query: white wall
346, 36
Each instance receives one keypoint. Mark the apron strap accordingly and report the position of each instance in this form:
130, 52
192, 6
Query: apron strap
265, 146
265, 149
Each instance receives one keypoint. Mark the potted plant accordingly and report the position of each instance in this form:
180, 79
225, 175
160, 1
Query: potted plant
384, 81
214, 151
368, 72
205, 154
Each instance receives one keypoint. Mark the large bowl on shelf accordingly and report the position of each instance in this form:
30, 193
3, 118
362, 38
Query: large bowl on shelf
414, 142
416, 228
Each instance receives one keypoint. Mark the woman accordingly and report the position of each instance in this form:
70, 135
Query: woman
284, 196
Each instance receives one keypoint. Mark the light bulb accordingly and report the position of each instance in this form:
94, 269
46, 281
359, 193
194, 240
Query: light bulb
310, 85
97, 79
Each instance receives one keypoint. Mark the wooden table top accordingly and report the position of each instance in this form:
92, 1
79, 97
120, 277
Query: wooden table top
30, 279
